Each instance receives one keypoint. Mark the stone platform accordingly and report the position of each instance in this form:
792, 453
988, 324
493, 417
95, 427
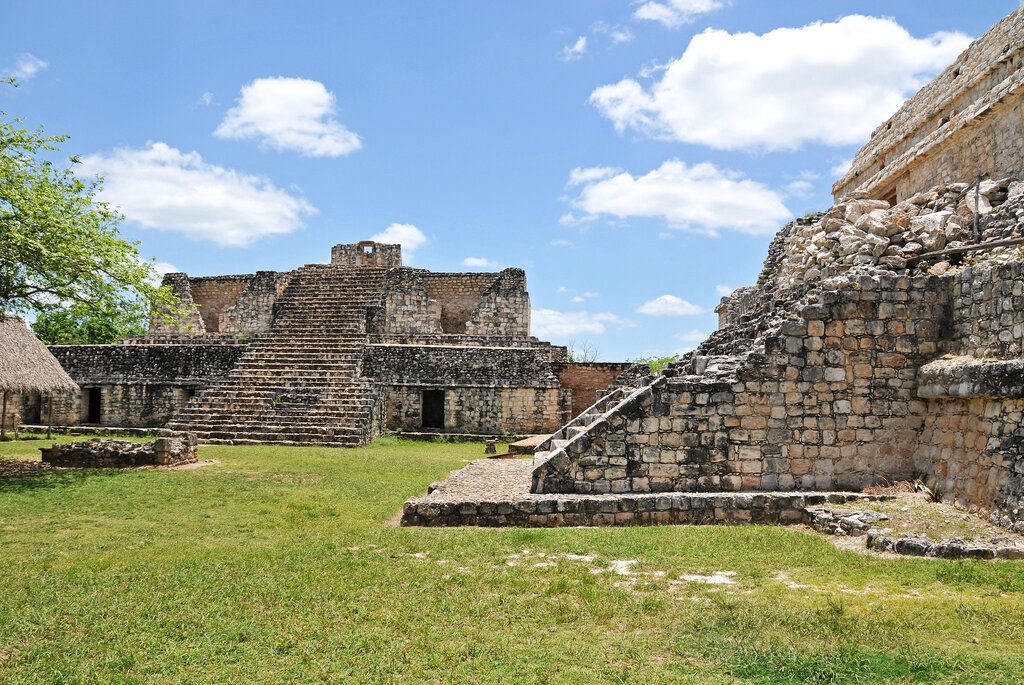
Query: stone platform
497, 493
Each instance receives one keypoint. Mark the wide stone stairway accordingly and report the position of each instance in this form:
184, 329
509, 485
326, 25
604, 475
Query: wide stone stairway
300, 382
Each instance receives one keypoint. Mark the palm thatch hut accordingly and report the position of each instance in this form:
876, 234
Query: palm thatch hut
26, 366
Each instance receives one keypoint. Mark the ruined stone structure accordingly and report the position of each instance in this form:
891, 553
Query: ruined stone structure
883, 340
966, 122
122, 453
335, 354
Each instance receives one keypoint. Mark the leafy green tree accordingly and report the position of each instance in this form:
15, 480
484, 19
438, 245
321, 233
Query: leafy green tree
59, 245
656, 364
81, 325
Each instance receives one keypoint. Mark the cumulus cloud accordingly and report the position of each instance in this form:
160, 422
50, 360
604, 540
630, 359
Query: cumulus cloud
829, 83
574, 51
27, 66
700, 198
163, 188
289, 115
550, 323
673, 13
406, 235
670, 305
480, 263
691, 340
724, 290
840, 169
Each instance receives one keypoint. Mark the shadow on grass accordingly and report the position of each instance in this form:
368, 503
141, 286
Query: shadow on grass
18, 475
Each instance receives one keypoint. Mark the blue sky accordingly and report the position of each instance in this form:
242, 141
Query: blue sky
634, 158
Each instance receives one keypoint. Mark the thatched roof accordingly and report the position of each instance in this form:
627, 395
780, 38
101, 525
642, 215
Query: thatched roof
25, 363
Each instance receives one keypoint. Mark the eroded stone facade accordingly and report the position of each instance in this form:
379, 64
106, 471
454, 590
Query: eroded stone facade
966, 122
334, 354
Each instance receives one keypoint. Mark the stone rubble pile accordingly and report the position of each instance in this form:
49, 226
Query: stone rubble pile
98, 453
882, 540
872, 233
852, 523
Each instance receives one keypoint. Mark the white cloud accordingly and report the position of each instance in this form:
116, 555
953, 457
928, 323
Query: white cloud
825, 82
700, 198
724, 290
692, 339
840, 169
205, 100
799, 188
163, 188
289, 114
560, 243
672, 13
163, 268
562, 325
27, 66
574, 51
406, 235
582, 175
616, 34
480, 263
670, 305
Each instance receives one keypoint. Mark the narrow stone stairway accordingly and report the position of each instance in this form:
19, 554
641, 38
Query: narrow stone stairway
300, 382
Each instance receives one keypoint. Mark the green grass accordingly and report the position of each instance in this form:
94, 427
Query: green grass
278, 565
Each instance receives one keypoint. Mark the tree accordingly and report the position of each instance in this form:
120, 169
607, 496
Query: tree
59, 245
79, 325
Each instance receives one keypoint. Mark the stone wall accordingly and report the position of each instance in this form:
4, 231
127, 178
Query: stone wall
463, 365
408, 307
140, 385
189, 322
253, 309
967, 121
458, 294
484, 410
827, 403
988, 310
504, 309
588, 381
367, 254
122, 453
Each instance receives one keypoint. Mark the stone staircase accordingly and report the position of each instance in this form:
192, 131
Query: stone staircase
579, 425
300, 382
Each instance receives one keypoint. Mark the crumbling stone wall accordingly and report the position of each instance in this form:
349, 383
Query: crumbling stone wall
140, 385
504, 308
253, 309
408, 307
826, 402
479, 410
965, 122
588, 381
367, 254
458, 295
182, 449
488, 390
189, 321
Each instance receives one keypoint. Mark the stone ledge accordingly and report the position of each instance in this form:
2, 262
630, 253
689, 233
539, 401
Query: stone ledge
960, 377
495, 494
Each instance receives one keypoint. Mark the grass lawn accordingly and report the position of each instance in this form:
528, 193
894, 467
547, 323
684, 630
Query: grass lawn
278, 565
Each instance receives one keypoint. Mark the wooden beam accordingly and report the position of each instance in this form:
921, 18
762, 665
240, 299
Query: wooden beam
968, 248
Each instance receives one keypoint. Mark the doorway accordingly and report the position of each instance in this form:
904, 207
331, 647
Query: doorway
95, 405
433, 409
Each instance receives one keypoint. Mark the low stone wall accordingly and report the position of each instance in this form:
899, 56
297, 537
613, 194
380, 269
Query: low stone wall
479, 410
122, 453
460, 365
621, 510
589, 381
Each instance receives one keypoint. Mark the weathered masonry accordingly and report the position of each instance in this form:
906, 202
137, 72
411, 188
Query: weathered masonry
966, 122
883, 340
337, 353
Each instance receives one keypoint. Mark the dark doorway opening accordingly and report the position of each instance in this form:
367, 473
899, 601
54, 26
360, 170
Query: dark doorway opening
95, 404
433, 409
